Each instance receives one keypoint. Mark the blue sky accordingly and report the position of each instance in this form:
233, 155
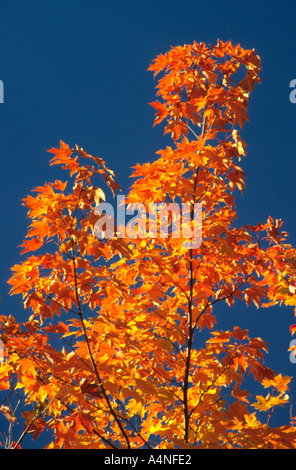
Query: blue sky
77, 71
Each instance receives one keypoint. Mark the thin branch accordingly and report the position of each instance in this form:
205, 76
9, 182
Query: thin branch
211, 384
95, 369
27, 428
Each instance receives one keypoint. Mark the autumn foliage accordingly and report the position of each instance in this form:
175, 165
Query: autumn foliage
119, 347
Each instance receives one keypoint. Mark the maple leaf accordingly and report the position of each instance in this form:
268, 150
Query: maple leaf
159, 63
90, 388
161, 109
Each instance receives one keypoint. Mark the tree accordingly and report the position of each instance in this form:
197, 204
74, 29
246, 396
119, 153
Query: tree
121, 349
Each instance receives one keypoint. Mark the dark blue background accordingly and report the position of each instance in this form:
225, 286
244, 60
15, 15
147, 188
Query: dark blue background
77, 71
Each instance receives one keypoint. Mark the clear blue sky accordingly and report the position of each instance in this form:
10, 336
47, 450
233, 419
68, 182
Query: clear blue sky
77, 71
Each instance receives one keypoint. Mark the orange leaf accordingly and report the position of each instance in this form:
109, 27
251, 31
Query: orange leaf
293, 329
8, 413
161, 111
